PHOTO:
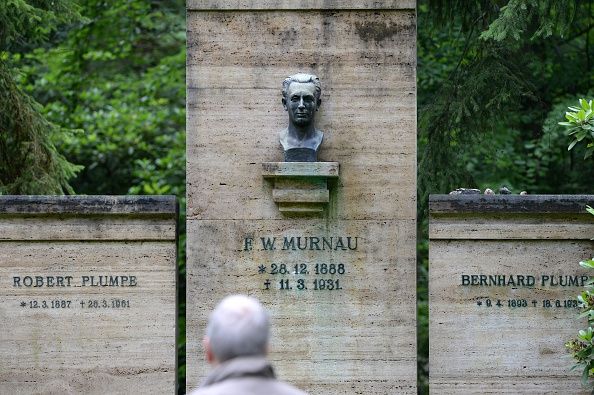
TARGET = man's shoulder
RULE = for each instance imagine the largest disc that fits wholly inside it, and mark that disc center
(289, 389)
(249, 386)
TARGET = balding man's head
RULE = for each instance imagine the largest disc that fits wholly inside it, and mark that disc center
(238, 326)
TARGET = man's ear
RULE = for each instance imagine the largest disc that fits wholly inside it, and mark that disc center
(319, 103)
(284, 101)
(210, 358)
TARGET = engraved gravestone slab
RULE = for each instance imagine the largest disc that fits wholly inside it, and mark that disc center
(503, 280)
(87, 294)
(339, 280)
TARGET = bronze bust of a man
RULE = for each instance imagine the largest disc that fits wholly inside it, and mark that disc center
(301, 99)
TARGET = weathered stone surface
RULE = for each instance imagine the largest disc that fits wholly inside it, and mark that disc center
(300, 195)
(85, 228)
(62, 334)
(128, 205)
(489, 226)
(506, 205)
(300, 169)
(300, 187)
(478, 345)
(236, 63)
(299, 4)
(333, 340)
(359, 338)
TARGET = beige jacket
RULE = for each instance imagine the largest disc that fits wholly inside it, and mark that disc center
(245, 376)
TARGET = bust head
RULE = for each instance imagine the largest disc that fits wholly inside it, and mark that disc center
(301, 98)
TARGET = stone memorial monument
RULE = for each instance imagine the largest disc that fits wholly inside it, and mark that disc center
(322, 234)
(88, 295)
(503, 280)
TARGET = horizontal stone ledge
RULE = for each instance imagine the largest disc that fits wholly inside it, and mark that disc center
(88, 205)
(300, 169)
(512, 204)
(301, 196)
(82, 227)
(299, 5)
(510, 230)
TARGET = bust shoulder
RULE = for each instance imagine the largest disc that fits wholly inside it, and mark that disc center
(288, 141)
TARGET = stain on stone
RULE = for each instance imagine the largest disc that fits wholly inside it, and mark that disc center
(377, 31)
(289, 36)
(546, 351)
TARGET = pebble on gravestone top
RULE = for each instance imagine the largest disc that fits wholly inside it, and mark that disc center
(504, 190)
(465, 191)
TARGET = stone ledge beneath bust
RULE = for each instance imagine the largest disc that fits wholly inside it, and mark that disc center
(300, 187)
(300, 169)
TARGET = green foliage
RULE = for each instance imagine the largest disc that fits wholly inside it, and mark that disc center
(422, 315)
(582, 346)
(28, 23)
(29, 160)
(534, 163)
(121, 78)
(488, 74)
(580, 121)
(461, 109)
(519, 16)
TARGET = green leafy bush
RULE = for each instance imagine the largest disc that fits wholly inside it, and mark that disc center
(580, 121)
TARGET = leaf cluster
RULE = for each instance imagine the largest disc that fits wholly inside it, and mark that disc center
(541, 18)
(29, 161)
(580, 123)
(25, 24)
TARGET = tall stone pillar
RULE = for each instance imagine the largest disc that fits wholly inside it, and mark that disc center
(336, 266)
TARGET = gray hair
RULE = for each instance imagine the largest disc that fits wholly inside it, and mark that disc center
(238, 326)
(304, 79)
